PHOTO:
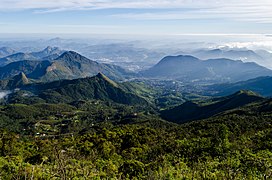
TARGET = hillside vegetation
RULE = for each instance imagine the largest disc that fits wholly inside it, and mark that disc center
(233, 145)
(99, 128)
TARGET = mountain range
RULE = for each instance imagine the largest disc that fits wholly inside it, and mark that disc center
(261, 85)
(6, 51)
(52, 63)
(189, 68)
(262, 57)
(239, 54)
(69, 65)
(17, 57)
(49, 53)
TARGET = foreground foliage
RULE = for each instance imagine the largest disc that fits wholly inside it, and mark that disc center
(234, 145)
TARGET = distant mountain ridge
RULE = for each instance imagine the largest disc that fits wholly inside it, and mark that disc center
(189, 68)
(261, 85)
(6, 51)
(17, 57)
(48, 51)
(261, 57)
(235, 54)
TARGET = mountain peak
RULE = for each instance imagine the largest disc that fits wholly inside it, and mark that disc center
(105, 78)
(48, 52)
(172, 66)
(182, 57)
(17, 81)
(90, 88)
(179, 58)
(22, 77)
(70, 53)
(49, 49)
(72, 56)
(246, 92)
(101, 75)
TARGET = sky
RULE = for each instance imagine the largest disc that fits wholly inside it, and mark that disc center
(143, 17)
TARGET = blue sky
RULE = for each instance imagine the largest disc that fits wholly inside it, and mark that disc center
(144, 17)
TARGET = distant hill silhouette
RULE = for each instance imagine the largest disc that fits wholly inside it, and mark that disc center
(189, 68)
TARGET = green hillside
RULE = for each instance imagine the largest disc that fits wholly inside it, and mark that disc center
(69, 65)
(192, 111)
(93, 140)
(66, 91)
(14, 82)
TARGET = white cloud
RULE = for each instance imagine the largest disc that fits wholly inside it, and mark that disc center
(105, 4)
(246, 10)
(250, 11)
(95, 4)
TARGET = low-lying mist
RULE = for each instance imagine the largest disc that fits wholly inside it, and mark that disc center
(4, 94)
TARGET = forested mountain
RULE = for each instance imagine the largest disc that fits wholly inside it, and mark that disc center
(261, 85)
(69, 65)
(64, 116)
(192, 111)
(17, 81)
(189, 68)
(93, 139)
(32, 69)
(98, 87)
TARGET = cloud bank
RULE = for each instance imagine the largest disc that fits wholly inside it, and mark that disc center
(246, 10)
